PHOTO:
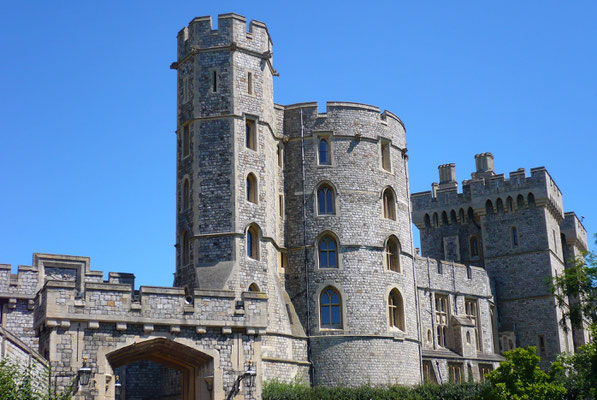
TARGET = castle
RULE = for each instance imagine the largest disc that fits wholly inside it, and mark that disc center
(295, 256)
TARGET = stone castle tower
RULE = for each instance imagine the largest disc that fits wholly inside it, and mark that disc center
(517, 230)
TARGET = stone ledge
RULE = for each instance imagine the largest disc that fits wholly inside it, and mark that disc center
(285, 361)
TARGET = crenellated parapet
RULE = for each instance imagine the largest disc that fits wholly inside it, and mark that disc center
(574, 231)
(61, 303)
(200, 36)
(361, 121)
(487, 191)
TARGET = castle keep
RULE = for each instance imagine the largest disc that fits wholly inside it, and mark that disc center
(295, 256)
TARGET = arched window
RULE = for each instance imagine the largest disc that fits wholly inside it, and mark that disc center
(324, 152)
(185, 195)
(328, 252)
(445, 218)
(427, 221)
(253, 243)
(325, 200)
(254, 288)
(330, 308)
(474, 247)
(514, 237)
(509, 204)
(185, 248)
(435, 220)
(453, 219)
(489, 207)
(250, 135)
(520, 202)
(251, 188)
(531, 200)
(500, 205)
(393, 254)
(389, 204)
(471, 215)
(461, 216)
(396, 310)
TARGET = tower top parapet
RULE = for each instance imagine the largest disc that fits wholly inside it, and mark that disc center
(487, 185)
(231, 33)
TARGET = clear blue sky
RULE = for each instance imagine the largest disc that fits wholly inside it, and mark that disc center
(88, 106)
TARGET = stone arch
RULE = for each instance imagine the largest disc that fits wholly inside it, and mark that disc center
(499, 205)
(531, 200)
(520, 202)
(253, 235)
(435, 220)
(197, 368)
(427, 221)
(389, 198)
(489, 207)
(453, 218)
(445, 220)
(461, 216)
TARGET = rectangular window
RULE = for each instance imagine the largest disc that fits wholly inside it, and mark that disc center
(186, 89)
(250, 135)
(186, 141)
(250, 83)
(455, 372)
(541, 339)
(280, 156)
(281, 205)
(214, 81)
(484, 369)
(385, 156)
(471, 310)
(441, 319)
(428, 374)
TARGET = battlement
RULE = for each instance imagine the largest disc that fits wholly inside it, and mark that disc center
(347, 118)
(453, 277)
(574, 231)
(23, 284)
(231, 31)
(485, 186)
(59, 303)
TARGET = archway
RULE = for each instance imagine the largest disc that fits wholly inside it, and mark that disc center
(178, 371)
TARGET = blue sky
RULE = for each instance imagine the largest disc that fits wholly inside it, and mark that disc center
(87, 145)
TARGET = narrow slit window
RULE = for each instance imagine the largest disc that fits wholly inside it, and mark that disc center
(186, 141)
(385, 156)
(514, 237)
(214, 81)
(281, 205)
(249, 83)
(251, 188)
(389, 205)
(250, 135)
(324, 152)
(253, 243)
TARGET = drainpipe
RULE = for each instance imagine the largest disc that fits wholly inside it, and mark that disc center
(412, 252)
(306, 255)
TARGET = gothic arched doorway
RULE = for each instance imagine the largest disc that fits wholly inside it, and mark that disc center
(160, 368)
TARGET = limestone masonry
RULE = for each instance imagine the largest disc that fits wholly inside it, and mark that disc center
(295, 257)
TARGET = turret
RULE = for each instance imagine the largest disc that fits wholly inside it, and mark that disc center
(484, 164)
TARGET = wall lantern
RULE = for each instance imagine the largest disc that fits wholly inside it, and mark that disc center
(117, 387)
(84, 373)
(249, 375)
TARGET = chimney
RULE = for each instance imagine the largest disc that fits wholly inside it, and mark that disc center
(484, 165)
(447, 176)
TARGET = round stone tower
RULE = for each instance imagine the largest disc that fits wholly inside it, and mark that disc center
(350, 267)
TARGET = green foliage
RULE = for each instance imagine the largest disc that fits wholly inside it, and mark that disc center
(296, 391)
(18, 384)
(520, 378)
(580, 372)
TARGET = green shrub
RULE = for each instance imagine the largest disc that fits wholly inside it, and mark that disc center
(297, 391)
